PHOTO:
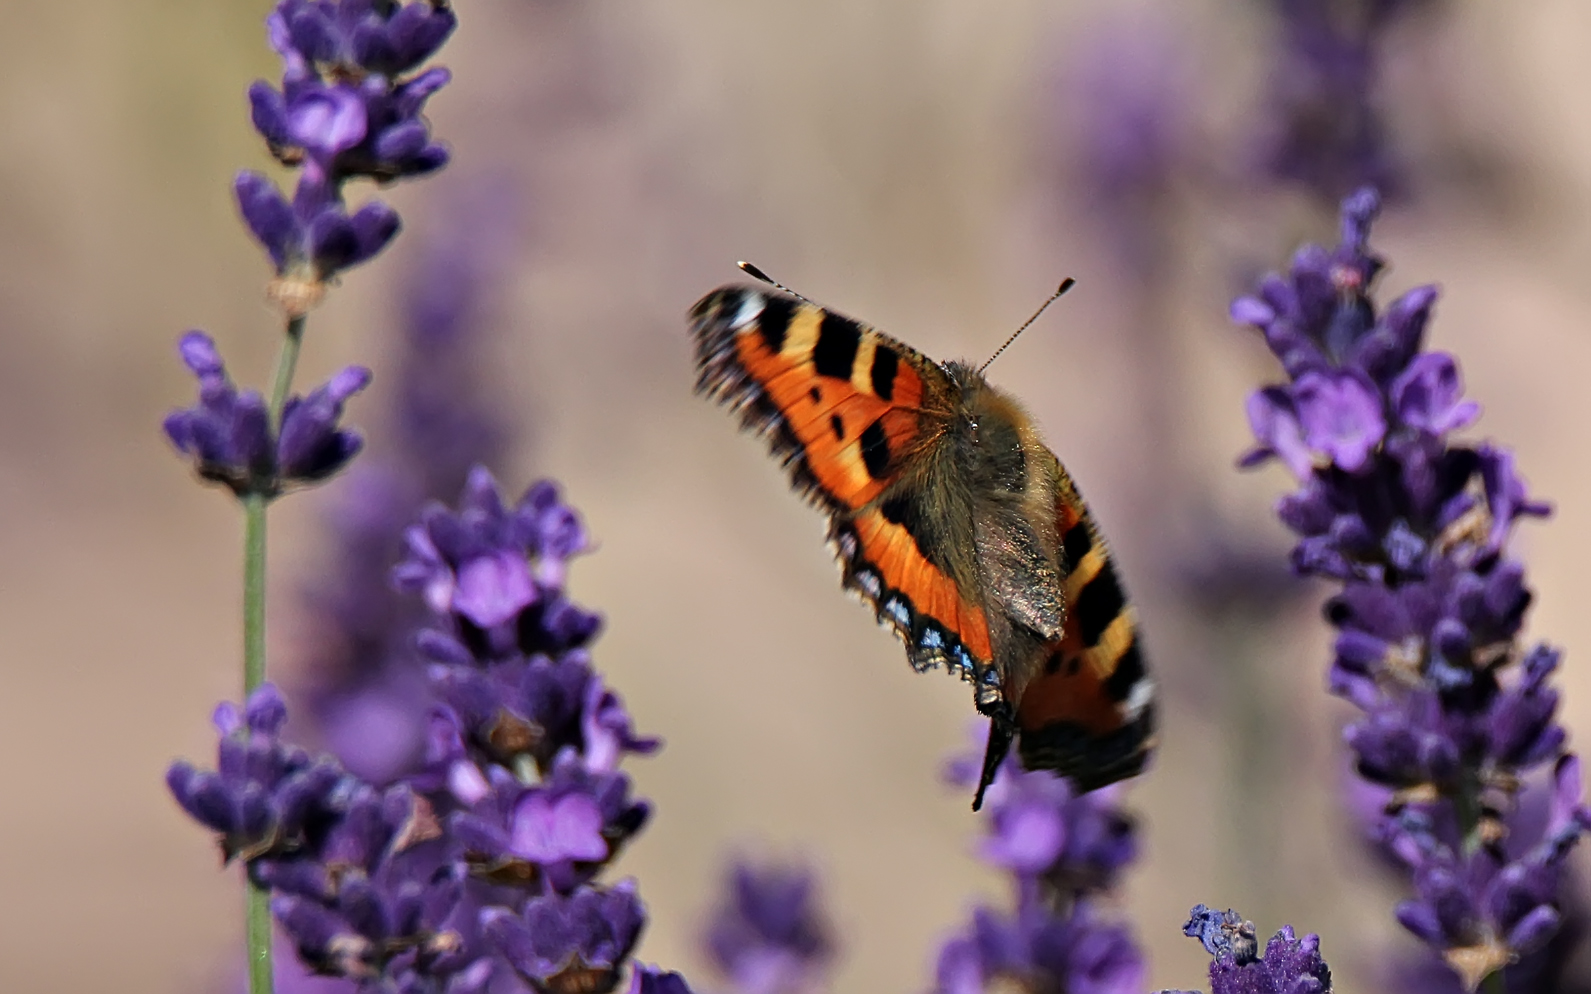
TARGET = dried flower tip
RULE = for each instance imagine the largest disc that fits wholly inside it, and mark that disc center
(1474, 964)
(295, 296)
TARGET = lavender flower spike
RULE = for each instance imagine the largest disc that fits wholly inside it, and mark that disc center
(264, 797)
(347, 107)
(1062, 852)
(1414, 524)
(1289, 965)
(229, 437)
(483, 862)
(768, 935)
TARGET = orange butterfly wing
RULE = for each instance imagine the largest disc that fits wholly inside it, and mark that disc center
(843, 405)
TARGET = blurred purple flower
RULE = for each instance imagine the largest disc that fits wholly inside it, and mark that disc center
(769, 934)
(1062, 851)
(1128, 97)
(1043, 953)
(650, 980)
(1324, 128)
(366, 693)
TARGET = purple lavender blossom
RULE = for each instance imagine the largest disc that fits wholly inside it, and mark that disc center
(569, 944)
(768, 934)
(228, 435)
(347, 107)
(497, 573)
(1289, 965)
(558, 834)
(485, 862)
(1062, 851)
(1414, 525)
(264, 797)
(650, 980)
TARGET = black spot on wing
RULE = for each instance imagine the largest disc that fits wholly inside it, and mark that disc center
(722, 376)
(885, 362)
(1098, 603)
(775, 321)
(837, 425)
(875, 450)
(835, 351)
(1077, 543)
(905, 511)
(1129, 670)
(816, 395)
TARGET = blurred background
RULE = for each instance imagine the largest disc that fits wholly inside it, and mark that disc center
(930, 167)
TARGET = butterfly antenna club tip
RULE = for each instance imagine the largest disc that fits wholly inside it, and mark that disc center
(1066, 285)
(755, 272)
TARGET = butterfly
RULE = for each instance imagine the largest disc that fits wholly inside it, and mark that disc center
(950, 518)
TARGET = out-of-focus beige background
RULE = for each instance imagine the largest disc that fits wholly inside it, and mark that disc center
(905, 161)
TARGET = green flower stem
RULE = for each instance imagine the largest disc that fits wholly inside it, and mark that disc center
(253, 593)
(257, 916)
(1494, 983)
(257, 929)
(285, 364)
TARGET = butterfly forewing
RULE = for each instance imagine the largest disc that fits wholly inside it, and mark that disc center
(839, 401)
(849, 410)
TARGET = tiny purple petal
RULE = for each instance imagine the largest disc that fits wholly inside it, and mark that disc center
(493, 588)
(269, 217)
(1428, 395)
(1534, 929)
(1341, 416)
(1276, 426)
(548, 831)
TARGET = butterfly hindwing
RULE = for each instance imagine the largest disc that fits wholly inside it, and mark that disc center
(1088, 711)
(887, 556)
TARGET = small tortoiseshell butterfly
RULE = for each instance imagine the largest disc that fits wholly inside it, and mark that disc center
(951, 518)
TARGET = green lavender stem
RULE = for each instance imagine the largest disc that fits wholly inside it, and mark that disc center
(257, 916)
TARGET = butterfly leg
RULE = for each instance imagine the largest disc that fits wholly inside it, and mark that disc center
(1000, 734)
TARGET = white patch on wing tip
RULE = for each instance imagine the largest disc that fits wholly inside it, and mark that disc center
(896, 609)
(750, 310)
(1138, 698)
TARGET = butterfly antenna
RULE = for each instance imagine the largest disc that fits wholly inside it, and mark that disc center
(1066, 285)
(750, 269)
